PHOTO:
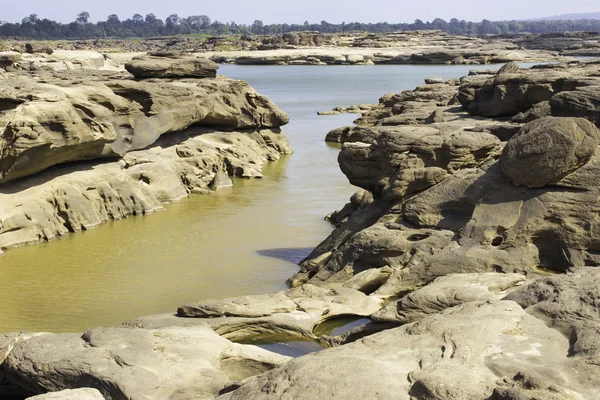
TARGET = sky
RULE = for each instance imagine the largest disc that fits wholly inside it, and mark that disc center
(282, 11)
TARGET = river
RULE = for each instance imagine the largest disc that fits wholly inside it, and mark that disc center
(246, 240)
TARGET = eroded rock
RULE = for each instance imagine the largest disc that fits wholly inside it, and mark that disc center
(548, 149)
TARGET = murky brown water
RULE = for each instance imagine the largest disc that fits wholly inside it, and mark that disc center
(243, 241)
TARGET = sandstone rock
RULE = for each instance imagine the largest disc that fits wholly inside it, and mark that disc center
(509, 68)
(570, 304)
(447, 292)
(548, 149)
(45, 124)
(583, 102)
(161, 67)
(78, 197)
(290, 314)
(538, 111)
(484, 340)
(70, 394)
(183, 363)
(508, 94)
(434, 80)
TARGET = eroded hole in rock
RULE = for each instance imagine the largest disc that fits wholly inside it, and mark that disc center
(137, 96)
(9, 104)
(418, 237)
(283, 347)
(340, 325)
(498, 240)
(498, 269)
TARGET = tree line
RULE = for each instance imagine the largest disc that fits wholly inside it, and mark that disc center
(33, 27)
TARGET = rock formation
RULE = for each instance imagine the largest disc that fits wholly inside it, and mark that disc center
(217, 127)
(472, 245)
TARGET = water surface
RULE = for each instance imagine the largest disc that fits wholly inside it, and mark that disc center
(241, 241)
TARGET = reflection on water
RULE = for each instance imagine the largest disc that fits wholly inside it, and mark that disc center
(240, 241)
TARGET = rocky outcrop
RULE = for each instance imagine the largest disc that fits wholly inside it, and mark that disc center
(286, 316)
(162, 67)
(51, 121)
(420, 361)
(446, 202)
(570, 304)
(175, 362)
(446, 292)
(507, 94)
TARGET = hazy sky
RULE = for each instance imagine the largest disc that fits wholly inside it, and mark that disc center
(279, 11)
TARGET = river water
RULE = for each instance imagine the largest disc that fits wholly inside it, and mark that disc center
(246, 240)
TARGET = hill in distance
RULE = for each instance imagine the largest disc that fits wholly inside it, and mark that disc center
(564, 17)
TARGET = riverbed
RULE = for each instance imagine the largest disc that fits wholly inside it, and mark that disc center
(245, 240)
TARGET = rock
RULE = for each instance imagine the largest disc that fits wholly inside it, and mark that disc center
(583, 102)
(548, 149)
(484, 340)
(161, 67)
(447, 292)
(508, 94)
(292, 314)
(71, 198)
(45, 124)
(510, 68)
(538, 111)
(434, 117)
(183, 363)
(569, 303)
(70, 394)
(435, 80)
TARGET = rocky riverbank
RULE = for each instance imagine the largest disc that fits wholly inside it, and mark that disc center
(80, 148)
(312, 48)
(472, 247)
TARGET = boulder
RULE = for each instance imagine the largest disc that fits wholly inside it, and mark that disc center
(509, 68)
(162, 67)
(546, 150)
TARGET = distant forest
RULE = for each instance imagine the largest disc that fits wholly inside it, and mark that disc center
(32, 27)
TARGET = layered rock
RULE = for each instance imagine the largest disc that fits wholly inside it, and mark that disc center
(183, 363)
(71, 198)
(507, 94)
(50, 121)
(421, 361)
(443, 201)
(289, 315)
(162, 67)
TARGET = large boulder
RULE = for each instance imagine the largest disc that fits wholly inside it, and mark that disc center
(162, 67)
(548, 149)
